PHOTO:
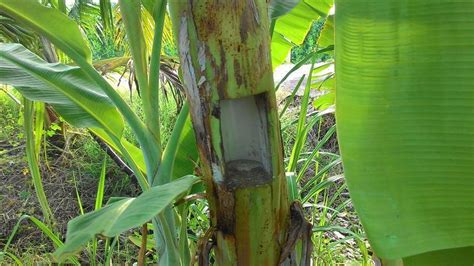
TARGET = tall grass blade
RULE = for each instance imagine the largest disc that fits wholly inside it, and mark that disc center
(293, 191)
(321, 173)
(101, 186)
(78, 196)
(316, 151)
(300, 134)
(12, 256)
(44, 228)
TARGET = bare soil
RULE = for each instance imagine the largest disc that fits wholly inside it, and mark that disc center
(66, 171)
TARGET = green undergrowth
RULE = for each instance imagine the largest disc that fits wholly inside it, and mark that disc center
(72, 163)
(11, 119)
(318, 181)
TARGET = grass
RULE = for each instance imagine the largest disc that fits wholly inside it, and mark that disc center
(11, 119)
(316, 178)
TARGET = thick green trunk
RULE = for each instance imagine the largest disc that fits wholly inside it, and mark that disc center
(225, 57)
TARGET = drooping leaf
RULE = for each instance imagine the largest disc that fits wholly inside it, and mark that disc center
(405, 114)
(279, 8)
(105, 66)
(66, 88)
(11, 31)
(50, 22)
(61, 40)
(122, 215)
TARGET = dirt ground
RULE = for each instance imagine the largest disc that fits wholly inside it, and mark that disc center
(65, 173)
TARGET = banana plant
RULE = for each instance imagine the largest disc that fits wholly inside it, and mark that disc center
(85, 99)
(225, 56)
(405, 117)
(404, 111)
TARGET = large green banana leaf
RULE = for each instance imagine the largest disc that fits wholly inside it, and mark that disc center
(78, 99)
(54, 25)
(73, 95)
(405, 117)
(122, 215)
(65, 35)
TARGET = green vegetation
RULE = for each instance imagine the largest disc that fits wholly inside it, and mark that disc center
(310, 43)
(10, 117)
(115, 122)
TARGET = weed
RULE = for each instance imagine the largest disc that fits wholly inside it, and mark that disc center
(11, 118)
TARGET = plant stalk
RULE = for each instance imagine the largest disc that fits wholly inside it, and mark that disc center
(32, 158)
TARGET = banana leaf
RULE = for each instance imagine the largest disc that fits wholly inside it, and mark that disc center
(121, 215)
(405, 118)
(291, 29)
(54, 25)
(72, 93)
